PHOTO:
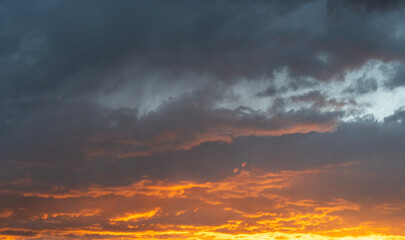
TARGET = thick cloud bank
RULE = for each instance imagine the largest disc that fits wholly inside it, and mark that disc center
(202, 119)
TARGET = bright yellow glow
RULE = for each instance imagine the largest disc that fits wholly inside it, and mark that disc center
(136, 216)
(247, 205)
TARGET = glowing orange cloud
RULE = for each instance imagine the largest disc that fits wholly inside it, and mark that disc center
(175, 140)
(136, 216)
(252, 204)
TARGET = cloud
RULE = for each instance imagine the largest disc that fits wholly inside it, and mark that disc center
(49, 143)
(366, 6)
(363, 86)
(201, 120)
(317, 100)
(327, 182)
(57, 54)
(397, 79)
(250, 202)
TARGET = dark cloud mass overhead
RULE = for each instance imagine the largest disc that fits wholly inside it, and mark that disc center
(202, 119)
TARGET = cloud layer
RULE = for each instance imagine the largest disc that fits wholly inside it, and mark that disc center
(202, 120)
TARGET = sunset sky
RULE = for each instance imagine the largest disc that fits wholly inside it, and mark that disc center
(202, 119)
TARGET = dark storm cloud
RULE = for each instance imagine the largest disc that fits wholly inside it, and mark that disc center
(53, 155)
(397, 118)
(373, 176)
(366, 5)
(65, 48)
(68, 160)
(54, 51)
(78, 143)
(47, 43)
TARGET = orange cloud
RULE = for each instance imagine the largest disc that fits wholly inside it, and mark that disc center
(249, 205)
(136, 216)
(81, 213)
(6, 213)
(221, 130)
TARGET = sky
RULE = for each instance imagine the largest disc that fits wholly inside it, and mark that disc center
(202, 120)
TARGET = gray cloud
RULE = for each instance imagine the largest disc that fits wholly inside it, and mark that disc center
(398, 78)
(57, 48)
(366, 6)
(318, 100)
(372, 176)
(70, 141)
(61, 142)
(363, 86)
(63, 52)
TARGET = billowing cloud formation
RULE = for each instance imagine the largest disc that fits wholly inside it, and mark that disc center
(202, 120)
